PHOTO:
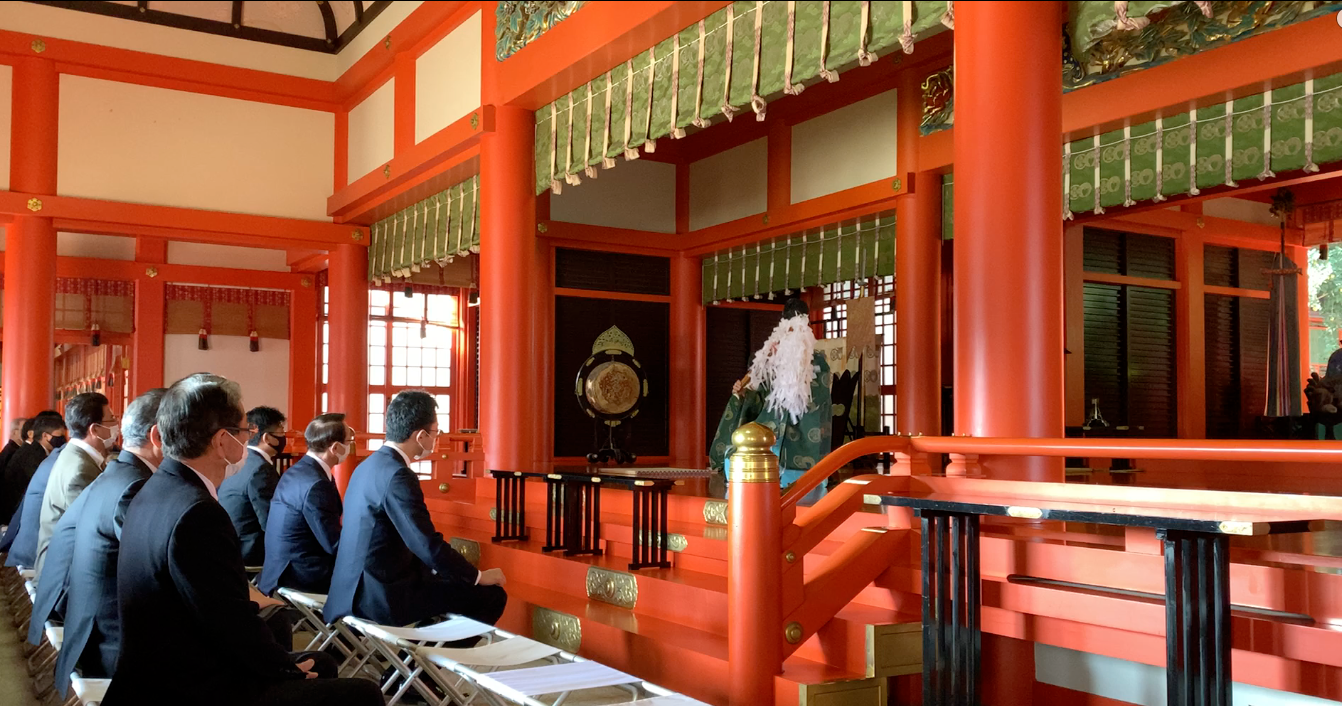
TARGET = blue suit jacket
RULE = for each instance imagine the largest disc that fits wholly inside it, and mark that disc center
(389, 549)
(22, 547)
(189, 629)
(246, 497)
(303, 531)
(49, 604)
(92, 625)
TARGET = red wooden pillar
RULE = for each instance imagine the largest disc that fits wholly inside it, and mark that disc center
(1008, 227)
(347, 385)
(755, 632)
(687, 403)
(303, 354)
(30, 249)
(509, 273)
(918, 308)
(150, 311)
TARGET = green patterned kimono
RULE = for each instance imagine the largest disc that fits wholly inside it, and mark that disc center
(798, 446)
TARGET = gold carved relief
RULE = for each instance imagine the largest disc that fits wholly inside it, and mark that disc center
(556, 629)
(614, 587)
(715, 512)
(468, 549)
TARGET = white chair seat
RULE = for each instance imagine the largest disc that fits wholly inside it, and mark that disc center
(447, 631)
(554, 678)
(672, 700)
(504, 653)
(27, 574)
(89, 691)
(55, 635)
(315, 601)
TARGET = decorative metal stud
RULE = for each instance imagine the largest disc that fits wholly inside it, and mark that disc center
(1202, 222)
(792, 633)
(475, 121)
(306, 282)
(765, 219)
(39, 46)
(790, 557)
(34, 204)
(356, 236)
(386, 171)
(386, 43)
(443, 487)
(897, 184)
(152, 272)
(542, 227)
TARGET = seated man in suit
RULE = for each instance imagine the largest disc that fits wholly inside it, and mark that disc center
(93, 430)
(304, 527)
(246, 494)
(393, 567)
(21, 538)
(49, 434)
(189, 631)
(12, 446)
(82, 557)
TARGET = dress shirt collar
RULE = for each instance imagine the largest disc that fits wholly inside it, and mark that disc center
(264, 455)
(88, 449)
(153, 467)
(320, 462)
(404, 456)
(214, 492)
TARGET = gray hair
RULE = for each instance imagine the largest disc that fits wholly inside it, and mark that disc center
(193, 410)
(141, 416)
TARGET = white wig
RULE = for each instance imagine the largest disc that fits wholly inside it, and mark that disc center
(784, 365)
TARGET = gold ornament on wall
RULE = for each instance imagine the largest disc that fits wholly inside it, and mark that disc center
(356, 236)
(152, 272)
(614, 587)
(34, 205)
(39, 46)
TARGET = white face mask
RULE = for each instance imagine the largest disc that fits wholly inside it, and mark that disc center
(235, 466)
(341, 456)
(113, 432)
(426, 446)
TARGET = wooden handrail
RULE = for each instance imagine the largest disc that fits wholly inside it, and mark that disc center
(1172, 449)
(837, 459)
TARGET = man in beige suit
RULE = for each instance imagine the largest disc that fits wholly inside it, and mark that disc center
(93, 432)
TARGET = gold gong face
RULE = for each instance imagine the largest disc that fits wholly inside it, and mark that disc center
(612, 388)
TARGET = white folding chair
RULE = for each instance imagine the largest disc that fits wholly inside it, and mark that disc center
(353, 647)
(397, 647)
(90, 692)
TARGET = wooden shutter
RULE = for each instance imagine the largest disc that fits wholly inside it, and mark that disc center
(1253, 343)
(1221, 326)
(1105, 348)
(1151, 389)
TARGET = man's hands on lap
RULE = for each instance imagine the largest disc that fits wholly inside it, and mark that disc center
(492, 577)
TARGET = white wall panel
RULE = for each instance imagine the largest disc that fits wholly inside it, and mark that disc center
(848, 147)
(124, 142)
(373, 35)
(372, 131)
(447, 79)
(233, 256)
(6, 96)
(1240, 210)
(729, 185)
(264, 375)
(640, 195)
(100, 247)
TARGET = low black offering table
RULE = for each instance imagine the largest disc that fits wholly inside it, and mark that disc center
(1197, 588)
(573, 508)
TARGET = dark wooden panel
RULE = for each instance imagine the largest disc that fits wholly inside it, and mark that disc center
(579, 321)
(1105, 355)
(1103, 251)
(733, 337)
(1220, 266)
(1222, 341)
(1253, 342)
(612, 272)
(1252, 264)
(1151, 389)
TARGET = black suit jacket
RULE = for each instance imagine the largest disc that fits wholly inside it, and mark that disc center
(21, 538)
(389, 549)
(17, 475)
(8, 494)
(246, 497)
(303, 531)
(92, 625)
(189, 631)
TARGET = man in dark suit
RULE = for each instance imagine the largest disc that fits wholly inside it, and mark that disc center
(393, 567)
(304, 527)
(48, 432)
(82, 557)
(20, 539)
(189, 631)
(16, 433)
(246, 495)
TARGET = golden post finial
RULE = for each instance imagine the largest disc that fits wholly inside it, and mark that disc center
(754, 460)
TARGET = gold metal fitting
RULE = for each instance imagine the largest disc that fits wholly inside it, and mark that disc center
(443, 487)
(151, 271)
(306, 282)
(356, 235)
(754, 460)
(39, 46)
(790, 557)
(386, 171)
(542, 227)
(475, 121)
(897, 184)
(792, 633)
(34, 205)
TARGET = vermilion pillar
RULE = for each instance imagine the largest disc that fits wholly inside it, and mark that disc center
(1008, 227)
(754, 569)
(687, 403)
(30, 247)
(509, 398)
(918, 308)
(347, 386)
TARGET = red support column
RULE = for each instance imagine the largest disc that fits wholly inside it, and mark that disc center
(150, 310)
(303, 355)
(1008, 227)
(687, 404)
(918, 308)
(347, 385)
(30, 283)
(754, 569)
(508, 277)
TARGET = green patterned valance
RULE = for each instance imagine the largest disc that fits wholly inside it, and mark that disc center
(437, 229)
(851, 250)
(1293, 128)
(734, 60)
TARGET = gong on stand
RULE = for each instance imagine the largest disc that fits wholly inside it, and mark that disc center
(610, 386)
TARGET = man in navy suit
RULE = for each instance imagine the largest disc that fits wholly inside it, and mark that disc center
(304, 528)
(246, 495)
(36, 446)
(393, 567)
(189, 630)
(82, 557)
(33, 464)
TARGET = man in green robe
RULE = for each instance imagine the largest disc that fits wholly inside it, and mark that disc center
(786, 391)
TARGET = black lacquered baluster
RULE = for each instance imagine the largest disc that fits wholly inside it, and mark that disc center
(1220, 622)
(974, 605)
(944, 606)
(637, 528)
(957, 599)
(664, 556)
(1171, 621)
(929, 622)
(1205, 648)
(499, 508)
(1187, 631)
(521, 508)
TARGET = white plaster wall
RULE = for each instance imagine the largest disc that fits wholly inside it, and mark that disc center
(6, 97)
(232, 256)
(124, 142)
(729, 185)
(264, 375)
(41, 20)
(640, 195)
(447, 79)
(1138, 683)
(372, 36)
(1239, 210)
(101, 247)
(371, 131)
(848, 147)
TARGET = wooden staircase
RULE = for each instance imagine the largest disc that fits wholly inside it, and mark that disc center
(670, 625)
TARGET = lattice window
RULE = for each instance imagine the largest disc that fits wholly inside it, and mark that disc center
(834, 316)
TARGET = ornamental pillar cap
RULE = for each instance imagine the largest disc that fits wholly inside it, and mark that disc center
(754, 460)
